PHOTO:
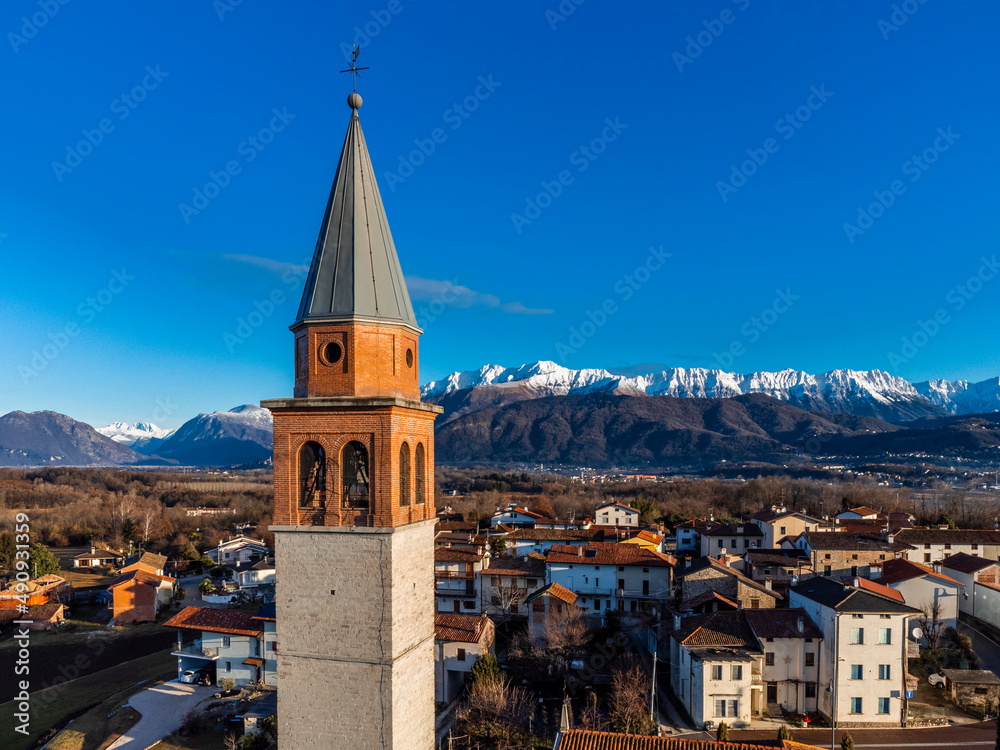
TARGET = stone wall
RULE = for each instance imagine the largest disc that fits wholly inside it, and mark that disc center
(355, 634)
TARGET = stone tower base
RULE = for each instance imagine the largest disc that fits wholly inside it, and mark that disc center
(355, 635)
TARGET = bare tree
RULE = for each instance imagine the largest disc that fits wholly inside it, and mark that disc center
(147, 520)
(566, 630)
(496, 709)
(507, 596)
(591, 716)
(629, 699)
(930, 623)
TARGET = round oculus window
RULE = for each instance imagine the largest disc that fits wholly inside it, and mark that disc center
(409, 358)
(331, 353)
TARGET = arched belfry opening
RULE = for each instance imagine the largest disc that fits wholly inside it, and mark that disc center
(312, 475)
(421, 472)
(356, 482)
(404, 475)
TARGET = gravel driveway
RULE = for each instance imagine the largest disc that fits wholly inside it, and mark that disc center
(162, 708)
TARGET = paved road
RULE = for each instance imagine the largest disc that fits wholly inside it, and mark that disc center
(162, 708)
(982, 735)
(985, 649)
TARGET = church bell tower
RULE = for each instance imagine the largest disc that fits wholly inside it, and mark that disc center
(354, 491)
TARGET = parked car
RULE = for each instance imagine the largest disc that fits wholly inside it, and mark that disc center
(188, 676)
(197, 677)
(936, 679)
(709, 726)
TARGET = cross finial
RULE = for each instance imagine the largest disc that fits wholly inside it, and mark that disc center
(354, 69)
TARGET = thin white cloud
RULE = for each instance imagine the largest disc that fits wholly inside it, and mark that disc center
(452, 294)
(269, 264)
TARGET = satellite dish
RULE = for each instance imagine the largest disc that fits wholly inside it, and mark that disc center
(917, 634)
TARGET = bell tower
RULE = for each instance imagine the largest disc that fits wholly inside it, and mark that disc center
(354, 490)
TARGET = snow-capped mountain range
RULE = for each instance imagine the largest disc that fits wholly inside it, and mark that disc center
(143, 437)
(861, 392)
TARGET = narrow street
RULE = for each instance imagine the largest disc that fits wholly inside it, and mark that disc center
(986, 649)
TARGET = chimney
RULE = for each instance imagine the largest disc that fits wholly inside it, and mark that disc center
(795, 580)
(767, 583)
(802, 624)
(937, 567)
(677, 622)
(856, 582)
(579, 551)
(722, 557)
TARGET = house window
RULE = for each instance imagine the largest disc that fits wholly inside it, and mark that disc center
(716, 671)
(229, 666)
(781, 530)
(272, 646)
(975, 546)
(947, 546)
(927, 557)
(854, 570)
(854, 557)
(982, 691)
(256, 647)
(645, 570)
(736, 672)
(621, 568)
(856, 671)
(472, 605)
(857, 617)
(597, 567)
(884, 671)
(810, 690)
(883, 705)
(421, 472)
(597, 604)
(720, 544)
(926, 546)
(857, 636)
(734, 544)
(720, 708)
(769, 659)
(312, 476)
(826, 556)
(810, 659)
(755, 604)
(404, 474)
(355, 479)
(532, 582)
(884, 617)
(734, 708)
(227, 641)
(461, 654)
(645, 588)
(855, 705)
(826, 570)
(885, 636)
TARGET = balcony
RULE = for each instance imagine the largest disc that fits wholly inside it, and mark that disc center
(756, 678)
(197, 650)
(453, 574)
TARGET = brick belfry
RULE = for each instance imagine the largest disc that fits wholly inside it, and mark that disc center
(354, 491)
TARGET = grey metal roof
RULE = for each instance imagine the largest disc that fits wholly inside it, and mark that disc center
(355, 274)
(841, 598)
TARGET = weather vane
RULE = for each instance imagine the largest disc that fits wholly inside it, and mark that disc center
(354, 67)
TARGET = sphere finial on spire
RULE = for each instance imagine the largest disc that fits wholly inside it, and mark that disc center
(354, 100)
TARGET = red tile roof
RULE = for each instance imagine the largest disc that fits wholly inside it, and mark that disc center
(965, 563)
(894, 571)
(460, 628)
(555, 590)
(707, 596)
(234, 621)
(586, 739)
(607, 553)
(142, 576)
(878, 588)
(446, 554)
(253, 661)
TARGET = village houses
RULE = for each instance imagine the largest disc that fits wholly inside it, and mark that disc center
(228, 643)
(458, 641)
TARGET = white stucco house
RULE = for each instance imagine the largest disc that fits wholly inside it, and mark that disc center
(616, 514)
(923, 587)
(239, 549)
(230, 643)
(969, 570)
(458, 641)
(864, 651)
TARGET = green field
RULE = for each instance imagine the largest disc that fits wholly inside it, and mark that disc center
(54, 706)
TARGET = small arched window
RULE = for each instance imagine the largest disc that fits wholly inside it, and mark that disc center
(421, 473)
(355, 482)
(312, 475)
(404, 474)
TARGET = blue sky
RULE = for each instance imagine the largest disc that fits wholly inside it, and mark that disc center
(736, 139)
